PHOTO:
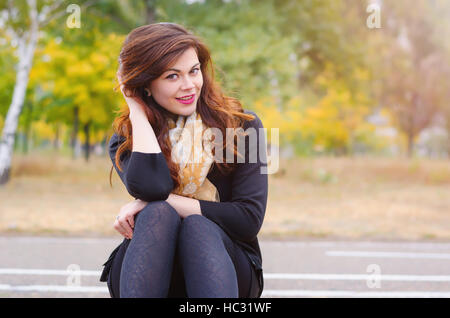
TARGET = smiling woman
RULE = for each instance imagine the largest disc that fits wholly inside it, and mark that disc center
(192, 230)
(155, 69)
(178, 92)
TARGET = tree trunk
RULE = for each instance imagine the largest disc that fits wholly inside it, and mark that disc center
(11, 122)
(56, 140)
(448, 136)
(448, 144)
(26, 135)
(75, 132)
(86, 144)
(25, 52)
(410, 144)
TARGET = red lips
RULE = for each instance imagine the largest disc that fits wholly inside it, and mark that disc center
(186, 96)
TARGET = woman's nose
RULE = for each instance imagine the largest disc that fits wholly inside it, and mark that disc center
(187, 83)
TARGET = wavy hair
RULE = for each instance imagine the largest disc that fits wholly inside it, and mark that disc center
(146, 53)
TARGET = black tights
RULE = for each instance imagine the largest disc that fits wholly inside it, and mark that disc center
(173, 257)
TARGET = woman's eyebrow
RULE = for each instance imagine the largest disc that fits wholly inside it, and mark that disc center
(175, 70)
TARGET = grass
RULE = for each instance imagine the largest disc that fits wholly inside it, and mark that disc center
(351, 198)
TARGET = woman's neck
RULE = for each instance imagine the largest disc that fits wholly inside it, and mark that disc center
(172, 115)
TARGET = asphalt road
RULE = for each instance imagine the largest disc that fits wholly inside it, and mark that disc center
(70, 267)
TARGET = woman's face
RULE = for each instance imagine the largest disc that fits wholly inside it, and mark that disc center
(183, 79)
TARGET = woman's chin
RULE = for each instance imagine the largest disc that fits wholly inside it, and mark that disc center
(186, 111)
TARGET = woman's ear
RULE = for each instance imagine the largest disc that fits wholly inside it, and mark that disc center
(148, 92)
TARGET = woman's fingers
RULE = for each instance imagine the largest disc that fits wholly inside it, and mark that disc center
(123, 228)
(124, 223)
(119, 228)
(130, 219)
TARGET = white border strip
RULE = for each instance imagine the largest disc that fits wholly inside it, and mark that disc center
(406, 278)
(55, 288)
(266, 293)
(55, 272)
(280, 276)
(388, 254)
(353, 294)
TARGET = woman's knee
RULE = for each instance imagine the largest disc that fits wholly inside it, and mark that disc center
(197, 226)
(158, 212)
(194, 221)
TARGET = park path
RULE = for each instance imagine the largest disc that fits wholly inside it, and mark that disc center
(70, 267)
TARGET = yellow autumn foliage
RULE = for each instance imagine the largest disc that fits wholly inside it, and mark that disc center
(43, 129)
(332, 121)
(82, 76)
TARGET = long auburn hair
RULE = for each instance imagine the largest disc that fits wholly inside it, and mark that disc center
(146, 53)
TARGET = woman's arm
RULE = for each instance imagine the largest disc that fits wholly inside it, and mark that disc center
(144, 138)
(242, 216)
(144, 173)
(183, 205)
(146, 176)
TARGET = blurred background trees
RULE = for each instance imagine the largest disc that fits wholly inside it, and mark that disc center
(313, 69)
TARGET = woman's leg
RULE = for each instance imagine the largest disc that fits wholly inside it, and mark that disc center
(147, 264)
(213, 265)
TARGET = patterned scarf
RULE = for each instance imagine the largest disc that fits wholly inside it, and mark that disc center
(192, 151)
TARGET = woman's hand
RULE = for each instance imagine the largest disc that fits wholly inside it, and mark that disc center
(135, 104)
(183, 205)
(124, 223)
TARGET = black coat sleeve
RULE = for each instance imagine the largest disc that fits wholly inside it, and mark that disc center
(146, 176)
(243, 215)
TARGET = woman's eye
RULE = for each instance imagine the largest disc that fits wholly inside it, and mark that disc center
(172, 76)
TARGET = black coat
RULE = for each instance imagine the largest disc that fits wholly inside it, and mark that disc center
(243, 193)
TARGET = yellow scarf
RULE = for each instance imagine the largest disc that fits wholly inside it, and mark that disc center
(192, 151)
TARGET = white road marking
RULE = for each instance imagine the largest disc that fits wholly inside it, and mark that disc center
(266, 293)
(55, 272)
(412, 278)
(360, 244)
(388, 254)
(348, 293)
(114, 240)
(283, 276)
(55, 288)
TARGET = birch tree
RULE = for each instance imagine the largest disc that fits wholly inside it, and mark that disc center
(22, 22)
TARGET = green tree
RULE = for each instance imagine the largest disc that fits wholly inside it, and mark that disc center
(22, 23)
(412, 69)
